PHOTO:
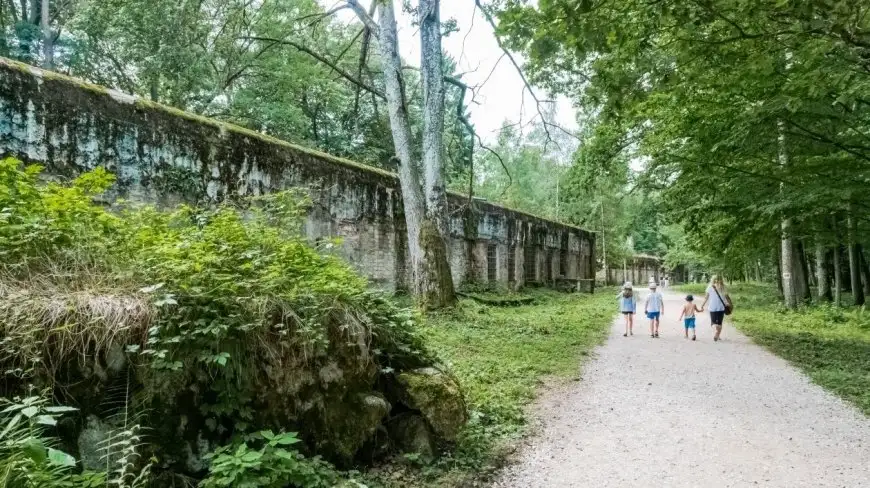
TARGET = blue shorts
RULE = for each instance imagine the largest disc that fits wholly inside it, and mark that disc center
(689, 322)
(653, 315)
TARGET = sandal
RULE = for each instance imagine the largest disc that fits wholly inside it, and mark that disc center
(657, 335)
(624, 335)
(693, 338)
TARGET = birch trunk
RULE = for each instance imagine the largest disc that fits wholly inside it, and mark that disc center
(789, 290)
(426, 227)
(824, 281)
(47, 40)
(436, 283)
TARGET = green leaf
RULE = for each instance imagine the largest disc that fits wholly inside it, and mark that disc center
(60, 458)
(46, 420)
(29, 411)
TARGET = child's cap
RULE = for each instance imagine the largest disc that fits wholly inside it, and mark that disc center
(690, 298)
(627, 285)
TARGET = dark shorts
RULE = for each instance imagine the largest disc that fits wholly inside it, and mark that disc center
(627, 313)
(717, 317)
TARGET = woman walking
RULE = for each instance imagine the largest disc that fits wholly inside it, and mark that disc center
(628, 307)
(720, 302)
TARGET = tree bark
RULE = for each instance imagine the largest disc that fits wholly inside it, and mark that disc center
(787, 248)
(822, 277)
(431, 278)
(865, 270)
(47, 37)
(838, 277)
(802, 273)
(854, 262)
(437, 284)
(777, 259)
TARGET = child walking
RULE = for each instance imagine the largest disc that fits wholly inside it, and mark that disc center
(628, 307)
(688, 315)
(654, 309)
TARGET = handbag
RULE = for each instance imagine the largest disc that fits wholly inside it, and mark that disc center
(728, 306)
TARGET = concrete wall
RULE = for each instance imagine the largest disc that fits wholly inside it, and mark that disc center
(166, 156)
(637, 269)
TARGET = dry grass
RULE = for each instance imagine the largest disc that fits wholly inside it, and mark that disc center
(48, 322)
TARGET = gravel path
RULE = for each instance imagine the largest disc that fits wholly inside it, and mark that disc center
(674, 413)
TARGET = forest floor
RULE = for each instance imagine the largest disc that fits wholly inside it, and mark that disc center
(503, 356)
(675, 412)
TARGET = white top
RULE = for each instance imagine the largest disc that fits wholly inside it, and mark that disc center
(654, 302)
(714, 302)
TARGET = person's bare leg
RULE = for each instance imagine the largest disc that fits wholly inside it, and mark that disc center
(718, 332)
(657, 321)
(630, 324)
(652, 330)
(625, 319)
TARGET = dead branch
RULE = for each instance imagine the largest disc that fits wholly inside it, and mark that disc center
(319, 57)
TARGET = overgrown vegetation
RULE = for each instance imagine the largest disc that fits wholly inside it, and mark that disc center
(831, 344)
(502, 356)
(215, 323)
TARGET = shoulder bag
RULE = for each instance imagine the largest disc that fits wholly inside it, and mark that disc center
(728, 306)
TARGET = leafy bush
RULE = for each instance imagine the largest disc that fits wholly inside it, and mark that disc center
(28, 457)
(267, 460)
(220, 312)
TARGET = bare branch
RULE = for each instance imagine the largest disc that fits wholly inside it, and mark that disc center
(528, 86)
(365, 17)
(344, 74)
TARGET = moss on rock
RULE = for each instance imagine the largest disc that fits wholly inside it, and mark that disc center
(438, 397)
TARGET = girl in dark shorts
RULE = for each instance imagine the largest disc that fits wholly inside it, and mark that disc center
(628, 307)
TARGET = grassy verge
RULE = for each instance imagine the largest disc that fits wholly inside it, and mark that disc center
(502, 355)
(831, 345)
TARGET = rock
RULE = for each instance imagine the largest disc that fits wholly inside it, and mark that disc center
(377, 447)
(438, 397)
(91, 439)
(411, 433)
(346, 426)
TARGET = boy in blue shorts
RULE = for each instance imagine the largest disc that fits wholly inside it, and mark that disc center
(688, 315)
(654, 308)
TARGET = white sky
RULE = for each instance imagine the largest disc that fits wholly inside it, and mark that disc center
(477, 53)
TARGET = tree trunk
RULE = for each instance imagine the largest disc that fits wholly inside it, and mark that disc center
(436, 283)
(822, 264)
(865, 270)
(777, 259)
(432, 282)
(855, 262)
(838, 277)
(802, 273)
(47, 37)
(787, 248)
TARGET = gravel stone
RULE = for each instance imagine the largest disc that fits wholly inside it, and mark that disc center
(671, 412)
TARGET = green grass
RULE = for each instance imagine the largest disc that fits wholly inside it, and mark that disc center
(831, 345)
(502, 355)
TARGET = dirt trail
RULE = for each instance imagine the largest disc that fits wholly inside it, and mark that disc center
(675, 413)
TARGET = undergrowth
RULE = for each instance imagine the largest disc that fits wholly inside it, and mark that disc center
(221, 312)
(830, 344)
(502, 356)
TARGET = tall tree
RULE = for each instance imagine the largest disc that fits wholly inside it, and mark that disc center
(424, 196)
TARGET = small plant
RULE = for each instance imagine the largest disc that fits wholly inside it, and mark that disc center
(28, 458)
(267, 460)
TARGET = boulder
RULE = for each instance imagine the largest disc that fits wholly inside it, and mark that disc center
(438, 397)
(344, 427)
(411, 433)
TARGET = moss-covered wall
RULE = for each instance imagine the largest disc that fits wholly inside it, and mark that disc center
(166, 156)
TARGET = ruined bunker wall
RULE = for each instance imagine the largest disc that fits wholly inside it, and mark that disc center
(166, 156)
(638, 269)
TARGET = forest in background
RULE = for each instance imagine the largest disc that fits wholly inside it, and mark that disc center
(290, 69)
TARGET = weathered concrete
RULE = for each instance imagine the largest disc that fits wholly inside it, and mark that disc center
(638, 269)
(167, 156)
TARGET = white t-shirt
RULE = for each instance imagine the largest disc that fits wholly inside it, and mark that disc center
(714, 303)
(654, 302)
